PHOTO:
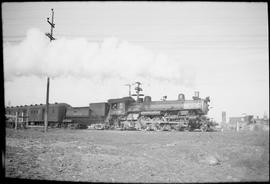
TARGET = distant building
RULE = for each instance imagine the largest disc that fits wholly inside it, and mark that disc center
(223, 117)
(241, 123)
(265, 116)
(262, 123)
(248, 123)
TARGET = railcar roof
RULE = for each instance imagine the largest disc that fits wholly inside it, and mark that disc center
(85, 107)
(37, 105)
(96, 103)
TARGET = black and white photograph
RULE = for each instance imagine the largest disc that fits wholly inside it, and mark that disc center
(136, 91)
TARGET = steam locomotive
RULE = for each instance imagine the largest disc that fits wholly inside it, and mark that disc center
(123, 113)
(180, 114)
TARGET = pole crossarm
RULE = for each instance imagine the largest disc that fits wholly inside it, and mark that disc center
(50, 35)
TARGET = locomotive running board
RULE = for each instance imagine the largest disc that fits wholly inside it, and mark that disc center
(158, 122)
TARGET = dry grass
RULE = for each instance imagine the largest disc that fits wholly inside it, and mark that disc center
(134, 156)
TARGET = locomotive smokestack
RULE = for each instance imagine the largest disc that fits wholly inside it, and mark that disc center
(147, 99)
(181, 97)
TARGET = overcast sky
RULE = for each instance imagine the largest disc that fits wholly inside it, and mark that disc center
(219, 49)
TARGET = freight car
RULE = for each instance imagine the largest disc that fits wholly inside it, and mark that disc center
(60, 115)
(11, 112)
(34, 114)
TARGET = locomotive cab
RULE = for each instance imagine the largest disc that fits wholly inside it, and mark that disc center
(119, 106)
(118, 110)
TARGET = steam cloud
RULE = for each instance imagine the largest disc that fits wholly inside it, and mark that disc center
(112, 58)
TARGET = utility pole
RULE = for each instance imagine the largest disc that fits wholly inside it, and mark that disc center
(16, 120)
(50, 35)
(47, 106)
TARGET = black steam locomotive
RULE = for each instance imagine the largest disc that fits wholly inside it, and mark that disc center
(180, 114)
(123, 113)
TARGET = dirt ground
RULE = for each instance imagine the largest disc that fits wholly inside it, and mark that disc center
(137, 156)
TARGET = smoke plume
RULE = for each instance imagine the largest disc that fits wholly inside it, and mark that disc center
(113, 58)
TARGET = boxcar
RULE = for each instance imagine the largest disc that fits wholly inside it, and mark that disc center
(11, 113)
(56, 112)
(36, 113)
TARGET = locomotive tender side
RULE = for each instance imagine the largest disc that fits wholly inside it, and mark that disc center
(76, 117)
(98, 112)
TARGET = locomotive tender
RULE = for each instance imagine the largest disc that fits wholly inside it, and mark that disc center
(124, 113)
